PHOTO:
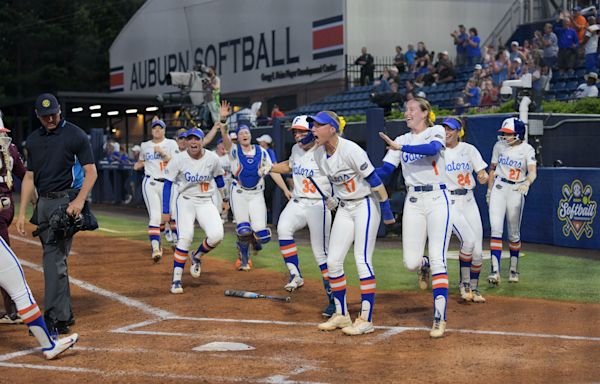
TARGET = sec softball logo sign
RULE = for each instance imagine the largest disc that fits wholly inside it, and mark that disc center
(577, 210)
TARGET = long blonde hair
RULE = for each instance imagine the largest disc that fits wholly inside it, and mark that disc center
(426, 107)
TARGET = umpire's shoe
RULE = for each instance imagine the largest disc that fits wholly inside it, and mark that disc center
(336, 321)
(295, 283)
(60, 346)
(360, 327)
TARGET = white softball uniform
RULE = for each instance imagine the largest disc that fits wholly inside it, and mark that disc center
(358, 216)
(152, 185)
(307, 207)
(227, 176)
(461, 162)
(511, 170)
(196, 188)
(426, 213)
(243, 195)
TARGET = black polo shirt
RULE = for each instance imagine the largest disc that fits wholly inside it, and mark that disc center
(56, 157)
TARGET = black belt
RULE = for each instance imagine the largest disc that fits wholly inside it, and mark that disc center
(246, 189)
(460, 192)
(155, 179)
(428, 188)
(507, 181)
(54, 195)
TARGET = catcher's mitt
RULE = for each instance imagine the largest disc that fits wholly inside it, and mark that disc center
(63, 225)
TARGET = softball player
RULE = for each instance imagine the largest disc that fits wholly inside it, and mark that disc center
(426, 213)
(195, 171)
(224, 159)
(512, 171)
(154, 156)
(356, 185)
(12, 279)
(462, 159)
(171, 232)
(307, 207)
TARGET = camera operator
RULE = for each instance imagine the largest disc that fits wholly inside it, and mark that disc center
(212, 88)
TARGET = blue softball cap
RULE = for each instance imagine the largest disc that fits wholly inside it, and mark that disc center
(159, 122)
(324, 118)
(242, 126)
(195, 132)
(452, 123)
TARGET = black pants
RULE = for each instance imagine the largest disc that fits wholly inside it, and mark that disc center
(57, 294)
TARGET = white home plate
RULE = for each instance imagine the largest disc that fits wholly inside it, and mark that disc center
(223, 346)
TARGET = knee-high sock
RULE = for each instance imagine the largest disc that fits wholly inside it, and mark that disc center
(204, 247)
(465, 257)
(515, 249)
(475, 270)
(496, 250)
(173, 225)
(439, 283)
(367, 294)
(338, 287)
(179, 258)
(289, 251)
(154, 235)
(326, 285)
(35, 321)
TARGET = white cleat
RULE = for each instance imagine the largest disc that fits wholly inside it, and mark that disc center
(494, 278)
(513, 277)
(195, 267)
(176, 287)
(360, 327)
(295, 283)
(477, 298)
(438, 329)
(60, 346)
(157, 254)
(465, 292)
(336, 321)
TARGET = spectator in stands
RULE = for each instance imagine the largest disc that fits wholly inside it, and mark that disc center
(579, 23)
(515, 70)
(460, 41)
(540, 82)
(489, 54)
(567, 43)
(213, 95)
(422, 55)
(473, 51)
(445, 72)
(276, 113)
(400, 60)
(261, 119)
(472, 93)
(382, 84)
(516, 52)
(549, 46)
(590, 45)
(394, 75)
(459, 106)
(588, 89)
(265, 141)
(410, 57)
(478, 73)
(367, 66)
(500, 68)
(489, 94)
(420, 71)
(386, 100)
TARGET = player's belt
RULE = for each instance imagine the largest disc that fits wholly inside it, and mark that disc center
(161, 180)
(428, 188)
(459, 192)
(55, 195)
(508, 181)
(237, 184)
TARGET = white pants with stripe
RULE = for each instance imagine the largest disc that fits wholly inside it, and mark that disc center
(355, 222)
(426, 218)
(300, 212)
(241, 200)
(201, 209)
(152, 191)
(12, 278)
(467, 222)
(506, 201)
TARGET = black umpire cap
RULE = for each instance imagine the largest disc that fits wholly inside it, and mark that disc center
(46, 104)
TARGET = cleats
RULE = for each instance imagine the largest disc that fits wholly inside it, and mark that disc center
(60, 346)
(513, 277)
(477, 298)
(336, 321)
(465, 292)
(360, 327)
(438, 329)
(195, 267)
(176, 287)
(157, 254)
(494, 278)
(295, 283)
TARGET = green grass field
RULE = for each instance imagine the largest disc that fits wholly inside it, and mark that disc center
(542, 275)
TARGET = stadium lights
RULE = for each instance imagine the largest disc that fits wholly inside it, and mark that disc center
(77, 109)
(97, 114)
(151, 109)
(94, 107)
(131, 110)
(112, 113)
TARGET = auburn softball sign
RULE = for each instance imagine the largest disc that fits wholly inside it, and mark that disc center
(577, 210)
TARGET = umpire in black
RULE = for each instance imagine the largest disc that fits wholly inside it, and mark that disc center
(60, 165)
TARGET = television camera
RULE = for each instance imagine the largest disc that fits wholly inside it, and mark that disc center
(194, 83)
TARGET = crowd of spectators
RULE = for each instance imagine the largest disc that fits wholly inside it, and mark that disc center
(562, 46)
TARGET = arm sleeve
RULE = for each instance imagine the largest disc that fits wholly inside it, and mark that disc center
(166, 196)
(373, 180)
(428, 149)
(219, 181)
(385, 171)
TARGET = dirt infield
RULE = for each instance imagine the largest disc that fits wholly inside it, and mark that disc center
(134, 331)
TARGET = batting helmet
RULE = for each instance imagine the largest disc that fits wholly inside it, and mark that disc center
(300, 123)
(514, 126)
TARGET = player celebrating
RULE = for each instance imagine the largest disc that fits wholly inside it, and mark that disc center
(356, 184)
(461, 160)
(154, 156)
(307, 207)
(195, 170)
(251, 163)
(171, 233)
(426, 213)
(512, 171)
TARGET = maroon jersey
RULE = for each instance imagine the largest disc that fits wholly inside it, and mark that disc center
(17, 167)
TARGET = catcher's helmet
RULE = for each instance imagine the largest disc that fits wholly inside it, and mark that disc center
(514, 126)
